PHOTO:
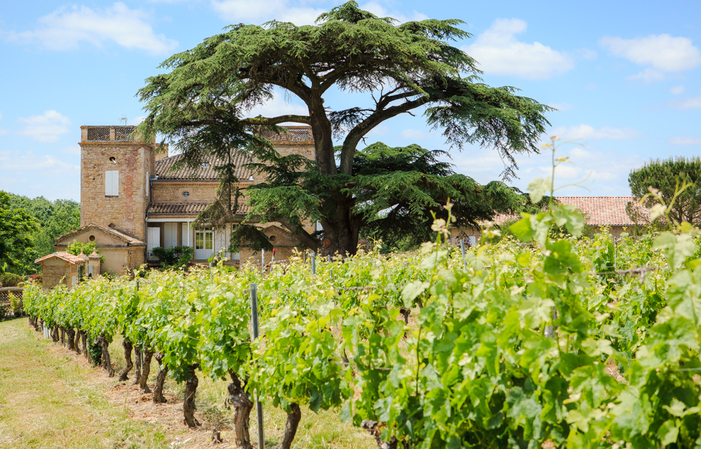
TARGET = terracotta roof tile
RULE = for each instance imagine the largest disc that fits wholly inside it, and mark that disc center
(603, 210)
(70, 258)
(184, 208)
(123, 236)
(598, 210)
(166, 169)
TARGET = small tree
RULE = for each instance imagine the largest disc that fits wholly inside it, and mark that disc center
(667, 176)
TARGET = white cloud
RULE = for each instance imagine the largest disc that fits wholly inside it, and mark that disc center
(685, 140)
(414, 134)
(561, 106)
(499, 53)
(677, 90)
(664, 53)
(16, 161)
(686, 103)
(649, 76)
(73, 150)
(3, 131)
(67, 28)
(380, 11)
(587, 54)
(587, 132)
(246, 11)
(278, 106)
(137, 120)
(45, 128)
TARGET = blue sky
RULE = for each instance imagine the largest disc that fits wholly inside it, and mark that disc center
(625, 76)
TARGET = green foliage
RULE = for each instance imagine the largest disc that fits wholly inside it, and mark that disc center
(667, 176)
(246, 235)
(95, 351)
(88, 248)
(207, 93)
(10, 280)
(175, 256)
(55, 219)
(16, 243)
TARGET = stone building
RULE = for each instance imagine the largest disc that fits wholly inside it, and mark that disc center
(135, 198)
(62, 267)
(599, 212)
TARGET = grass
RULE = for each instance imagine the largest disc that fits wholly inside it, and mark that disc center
(49, 398)
(48, 401)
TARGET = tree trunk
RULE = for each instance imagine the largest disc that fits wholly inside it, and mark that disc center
(63, 335)
(189, 402)
(242, 411)
(84, 344)
(76, 343)
(71, 339)
(126, 344)
(293, 418)
(373, 428)
(341, 230)
(54, 334)
(160, 380)
(137, 364)
(106, 362)
(145, 369)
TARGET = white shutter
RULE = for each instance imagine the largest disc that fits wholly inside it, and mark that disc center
(153, 239)
(170, 237)
(112, 183)
(187, 239)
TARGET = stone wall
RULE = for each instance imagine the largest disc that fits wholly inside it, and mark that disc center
(172, 191)
(127, 210)
(56, 271)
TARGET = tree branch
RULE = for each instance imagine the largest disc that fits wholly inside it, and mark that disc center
(267, 121)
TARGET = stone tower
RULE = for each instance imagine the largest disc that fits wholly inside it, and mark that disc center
(116, 167)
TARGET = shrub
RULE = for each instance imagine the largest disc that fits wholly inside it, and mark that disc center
(175, 256)
(10, 280)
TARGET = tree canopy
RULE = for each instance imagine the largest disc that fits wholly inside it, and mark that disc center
(401, 68)
(667, 176)
(16, 228)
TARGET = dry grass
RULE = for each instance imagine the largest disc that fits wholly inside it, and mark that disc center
(52, 398)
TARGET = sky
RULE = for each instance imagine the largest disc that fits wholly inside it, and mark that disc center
(624, 76)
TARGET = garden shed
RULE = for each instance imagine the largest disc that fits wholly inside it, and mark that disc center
(62, 267)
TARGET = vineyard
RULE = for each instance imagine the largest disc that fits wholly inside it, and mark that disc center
(573, 342)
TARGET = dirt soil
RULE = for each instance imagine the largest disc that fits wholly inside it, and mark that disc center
(166, 418)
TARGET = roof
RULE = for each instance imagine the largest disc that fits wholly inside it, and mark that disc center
(184, 208)
(205, 172)
(70, 258)
(166, 168)
(598, 210)
(126, 238)
(604, 210)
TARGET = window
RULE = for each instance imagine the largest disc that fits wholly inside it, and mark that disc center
(112, 183)
(148, 184)
(186, 194)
